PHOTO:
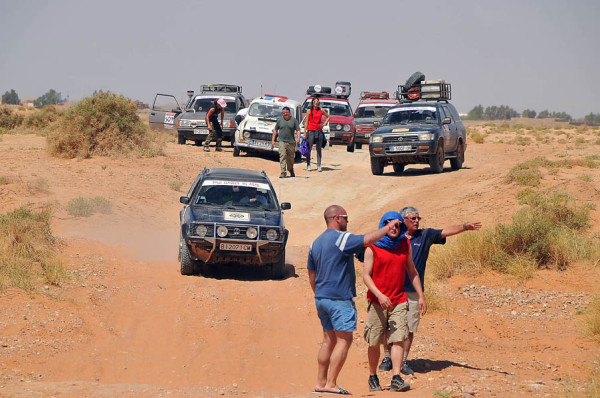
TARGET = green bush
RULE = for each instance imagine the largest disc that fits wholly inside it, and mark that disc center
(28, 251)
(42, 118)
(9, 120)
(105, 124)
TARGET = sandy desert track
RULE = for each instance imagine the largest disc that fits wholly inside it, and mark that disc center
(129, 324)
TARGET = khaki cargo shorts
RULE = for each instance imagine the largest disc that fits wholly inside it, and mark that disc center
(380, 320)
(414, 315)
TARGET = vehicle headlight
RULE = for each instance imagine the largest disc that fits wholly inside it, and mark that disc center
(346, 127)
(222, 231)
(251, 233)
(426, 137)
(201, 230)
(272, 234)
(227, 123)
(246, 134)
(376, 138)
(338, 126)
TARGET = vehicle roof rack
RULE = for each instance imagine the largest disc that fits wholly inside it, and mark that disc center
(374, 95)
(221, 88)
(343, 89)
(427, 90)
(318, 90)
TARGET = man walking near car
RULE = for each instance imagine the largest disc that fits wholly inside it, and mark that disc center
(287, 132)
(385, 265)
(333, 280)
(420, 242)
(214, 128)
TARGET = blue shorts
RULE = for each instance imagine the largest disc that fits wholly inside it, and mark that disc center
(339, 315)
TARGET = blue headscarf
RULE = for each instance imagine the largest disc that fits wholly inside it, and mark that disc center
(386, 242)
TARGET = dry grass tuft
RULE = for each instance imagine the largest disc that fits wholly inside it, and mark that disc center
(82, 207)
(28, 251)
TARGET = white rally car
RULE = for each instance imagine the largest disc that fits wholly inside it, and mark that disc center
(255, 133)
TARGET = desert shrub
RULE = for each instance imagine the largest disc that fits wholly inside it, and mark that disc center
(476, 136)
(539, 236)
(42, 118)
(593, 313)
(39, 185)
(28, 251)
(9, 120)
(175, 185)
(4, 180)
(528, 174)
(82, 207)
(105, 124)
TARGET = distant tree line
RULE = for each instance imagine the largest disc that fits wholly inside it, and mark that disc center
(592, 118)
(50, 98)
(505, 112)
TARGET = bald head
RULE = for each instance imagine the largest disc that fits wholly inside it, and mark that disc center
(332, 211)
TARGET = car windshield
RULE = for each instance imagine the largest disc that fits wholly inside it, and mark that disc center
(372, 111)
(267, 110)
(334, 108)
(236, 194)
(204, 104)
(411, 115)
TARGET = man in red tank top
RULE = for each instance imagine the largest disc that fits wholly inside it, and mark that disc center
(385, 266)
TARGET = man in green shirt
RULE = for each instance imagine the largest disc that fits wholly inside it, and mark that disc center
(288, 129)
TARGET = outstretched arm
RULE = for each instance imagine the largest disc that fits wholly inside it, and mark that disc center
(457, 229)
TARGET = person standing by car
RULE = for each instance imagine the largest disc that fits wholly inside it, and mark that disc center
(212, 121)
(287, 132)
(386, 264)
(421, 241)
(333, 280)
(313, 130)
(241, 115)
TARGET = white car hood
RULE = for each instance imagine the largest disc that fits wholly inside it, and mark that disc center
(262, 126)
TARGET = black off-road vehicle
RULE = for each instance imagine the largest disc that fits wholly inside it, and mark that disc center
(424, 128)
(232, 216)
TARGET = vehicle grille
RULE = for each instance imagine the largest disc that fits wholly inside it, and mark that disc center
(261, 136)
(402, 138)
(238, 232)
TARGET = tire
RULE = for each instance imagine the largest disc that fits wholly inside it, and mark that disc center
(398, 167)
(198, 142)
(358, 145)
(437, 161)
(180, 139)
(458, 161)
(350, 147)
(415, 78)
(278, 268)
(376, 166)
(236, 151)
(188, 265)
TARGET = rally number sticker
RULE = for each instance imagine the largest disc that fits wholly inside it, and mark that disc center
(169, 118)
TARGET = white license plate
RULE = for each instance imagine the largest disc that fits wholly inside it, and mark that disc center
(240, 247)
(200, 131)
(264, 144)
(400, 148)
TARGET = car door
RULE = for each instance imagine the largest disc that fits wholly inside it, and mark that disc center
(165, 113)
(450, 130)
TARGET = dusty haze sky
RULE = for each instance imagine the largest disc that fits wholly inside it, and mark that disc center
(541, 55)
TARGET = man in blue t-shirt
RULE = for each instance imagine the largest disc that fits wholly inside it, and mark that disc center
(333, 280)
(420, 241)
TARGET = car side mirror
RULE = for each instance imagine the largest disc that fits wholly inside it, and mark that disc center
(286, 206)
(446, 120)
(184, 200)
